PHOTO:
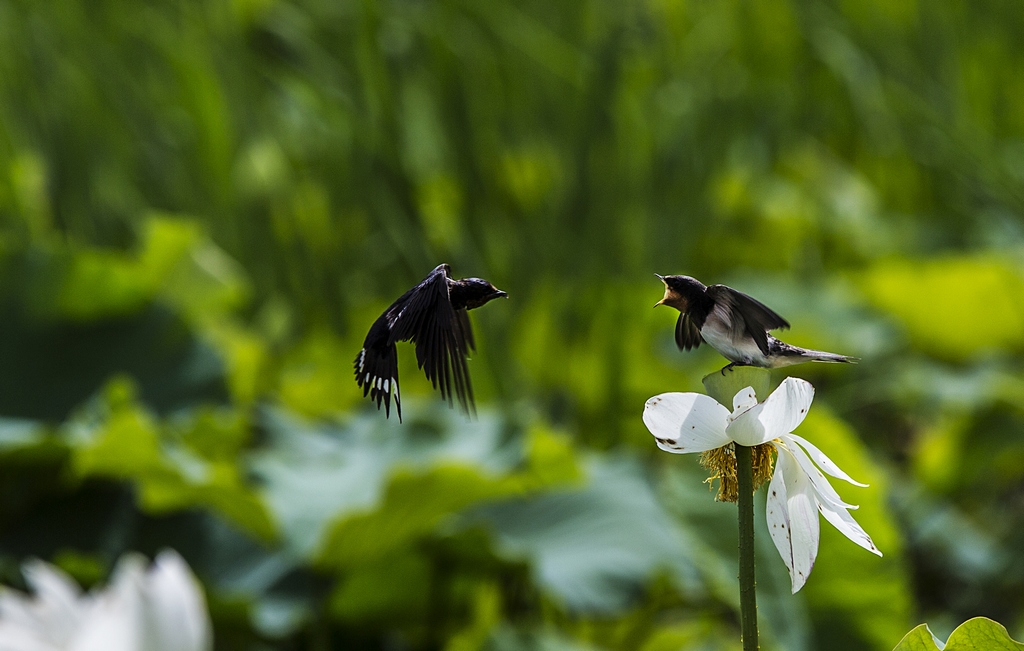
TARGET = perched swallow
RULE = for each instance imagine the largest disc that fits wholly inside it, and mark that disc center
(433, 316)
(734, 324)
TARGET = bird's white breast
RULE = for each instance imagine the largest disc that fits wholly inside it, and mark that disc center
(717, 331)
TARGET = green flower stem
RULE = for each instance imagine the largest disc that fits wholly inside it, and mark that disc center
(748, 596)
(722, 386)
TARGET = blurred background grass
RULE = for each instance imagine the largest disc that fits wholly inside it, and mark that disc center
(204, 205)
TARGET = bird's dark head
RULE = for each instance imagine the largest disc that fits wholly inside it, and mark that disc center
(473, 292)
(680, 291)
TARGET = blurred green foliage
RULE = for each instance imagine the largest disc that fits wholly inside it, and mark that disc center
(204, 205)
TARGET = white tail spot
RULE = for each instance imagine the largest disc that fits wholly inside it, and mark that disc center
(385, 386)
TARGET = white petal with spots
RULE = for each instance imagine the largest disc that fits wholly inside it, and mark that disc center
(844, 522)
(743, 400)
(686, 422)
(777, 516)
(803, 518)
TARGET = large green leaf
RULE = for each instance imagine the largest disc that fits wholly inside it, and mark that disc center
(358, 491)
(928, 296)
(978, 634)
(115, 437)
(414, 504)
(390, 588)
(920, 639)
(174, 260)
(593, 548)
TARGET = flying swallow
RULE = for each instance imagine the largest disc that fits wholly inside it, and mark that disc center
(432, 315)
(734, 324)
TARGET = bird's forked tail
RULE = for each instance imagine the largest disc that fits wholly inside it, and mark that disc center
(377, 373)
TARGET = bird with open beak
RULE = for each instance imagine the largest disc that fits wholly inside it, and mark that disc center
(734, 324)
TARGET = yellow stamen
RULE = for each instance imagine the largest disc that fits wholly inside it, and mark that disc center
(764, 460)
(722, 464)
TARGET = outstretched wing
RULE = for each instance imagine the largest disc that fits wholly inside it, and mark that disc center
(376, 368)
(467, 330)
(687, 333)
(442, 335)
(376, 365)
(748, 314)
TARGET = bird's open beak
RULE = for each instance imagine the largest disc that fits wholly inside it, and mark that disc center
(662, 301)
(499, 294)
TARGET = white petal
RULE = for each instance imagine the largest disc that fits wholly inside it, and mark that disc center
(686, 422)
(743, 400)
(159, 610)
(803, 517)
(175, 611)
(50, 583)
(15, 638)
(844, 522)
(747, 429)
(53, 613)
(780, 414)
(114, 621)
(669, 447)
(822, 488)
(824, 462)
(787, 406)
(112, 626)
(777, 516)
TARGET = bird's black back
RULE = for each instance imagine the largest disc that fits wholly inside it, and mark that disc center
(433, 316)
(747, 316)
(744, 315)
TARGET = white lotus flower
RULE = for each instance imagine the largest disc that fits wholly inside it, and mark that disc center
(159, 609)
(693, 422)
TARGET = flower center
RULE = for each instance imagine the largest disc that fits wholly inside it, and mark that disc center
(721, 462)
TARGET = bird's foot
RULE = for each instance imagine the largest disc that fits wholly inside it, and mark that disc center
(730, 366)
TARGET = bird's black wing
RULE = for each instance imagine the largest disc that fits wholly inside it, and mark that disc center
(467, 329)
(442, 335)
(754, 317)
(377, 369)
(376, 364)
(687, 333)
